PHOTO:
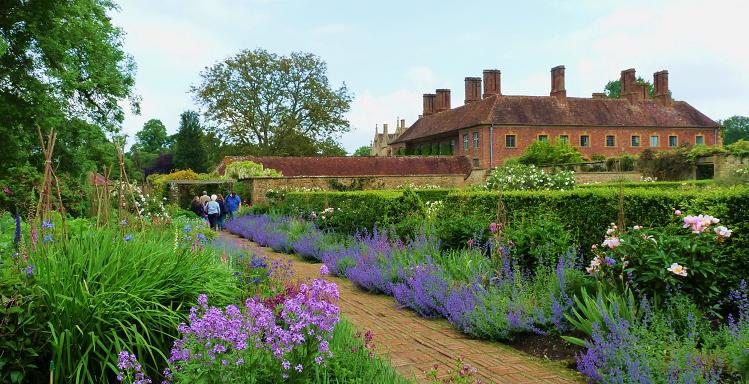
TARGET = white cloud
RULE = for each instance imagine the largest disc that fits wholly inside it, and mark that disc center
(421, 77)
(369, 109)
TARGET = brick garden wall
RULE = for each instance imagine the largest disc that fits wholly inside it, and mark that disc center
(605, 177)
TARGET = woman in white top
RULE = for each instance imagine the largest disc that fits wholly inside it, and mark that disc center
(213, 210)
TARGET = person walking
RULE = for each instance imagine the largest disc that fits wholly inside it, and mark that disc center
(204, 199)
(213, 210)
(233, 203)
(222, 214)
(196, 207)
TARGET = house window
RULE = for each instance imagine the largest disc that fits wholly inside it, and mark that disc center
(452, 146)
(543, 137)
(475, 163)
(654, 141)
(564, 139)
(585, 141)
(699, 139)
(476, 140)
(510, 141)
(465, 141)
(610, 140)
(673, 141)
(635, 141)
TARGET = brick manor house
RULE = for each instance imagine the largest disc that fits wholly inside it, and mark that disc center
(492, 127)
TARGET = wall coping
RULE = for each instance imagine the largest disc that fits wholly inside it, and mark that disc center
(352, 177)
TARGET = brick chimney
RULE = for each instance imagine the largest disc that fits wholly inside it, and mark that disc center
(429, 102)
(385, 133)
(492, 82)
(661, 94)
(443, 100)
(557, 82)
(473, 89)
(628, 85)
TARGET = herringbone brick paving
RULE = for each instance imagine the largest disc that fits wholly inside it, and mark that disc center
(414, 344)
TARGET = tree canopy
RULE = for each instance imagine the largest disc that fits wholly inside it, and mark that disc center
(735, 128)
(365, 150)
(273, 103)
(189, 151)
(153, 137)
(61, 66)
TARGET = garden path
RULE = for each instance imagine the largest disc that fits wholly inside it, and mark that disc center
(414, 344)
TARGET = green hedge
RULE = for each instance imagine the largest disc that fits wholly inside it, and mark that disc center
(653, 185)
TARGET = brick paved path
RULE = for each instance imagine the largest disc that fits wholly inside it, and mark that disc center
(415, 344)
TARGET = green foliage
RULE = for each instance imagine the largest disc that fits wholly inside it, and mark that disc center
(739, 149)
(152, 138)
(674, 164)
(239, 170)
(189, 151)
(735, 128)
(528, 177)
(51, 80)
(363, 151)
(590, 310)
(624, 163)
(550, 152)
(299, 106)
(101, 293)
(538, 240)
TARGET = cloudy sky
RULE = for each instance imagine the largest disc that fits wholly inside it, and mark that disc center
(390, 52)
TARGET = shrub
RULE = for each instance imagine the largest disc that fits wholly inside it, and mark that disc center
(239, 170)
(550, 152)
(528, 177)
(624, 163)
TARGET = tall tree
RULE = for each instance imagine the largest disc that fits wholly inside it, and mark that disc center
(735, 128)
(613, 89)
(61, 66)
(152, 138)
(189, 151)
(262, 99)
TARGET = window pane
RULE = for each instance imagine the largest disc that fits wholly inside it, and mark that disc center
(699, 140)
(475, 139)
(653, 141)
(635, 141)
(610, 141)
(543, 137)
(673, 141)
(584, 141)
(564, 138)
(465, 141)
(510, 141)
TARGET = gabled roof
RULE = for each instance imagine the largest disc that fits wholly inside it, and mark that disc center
(547, 110)
(360, 165)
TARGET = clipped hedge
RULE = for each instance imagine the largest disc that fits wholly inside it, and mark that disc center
(653, 185)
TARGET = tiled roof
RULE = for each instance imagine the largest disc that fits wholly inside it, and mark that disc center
(360, 166)
(546, 110)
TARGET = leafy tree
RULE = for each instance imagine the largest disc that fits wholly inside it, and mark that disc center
(269, 101)
(364, 150)
(735, 128)
(189, 151)
(550, 152)
(62, 67)
(613, 89)
(152, 138)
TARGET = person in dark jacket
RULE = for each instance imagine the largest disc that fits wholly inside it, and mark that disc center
(222, 215)
(196, 207)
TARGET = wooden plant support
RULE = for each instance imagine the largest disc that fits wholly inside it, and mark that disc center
(44, 206)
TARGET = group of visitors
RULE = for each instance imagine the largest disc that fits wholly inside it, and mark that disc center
(215, 208)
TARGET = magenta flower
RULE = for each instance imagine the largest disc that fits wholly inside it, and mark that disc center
(324, 270)
(493, 227)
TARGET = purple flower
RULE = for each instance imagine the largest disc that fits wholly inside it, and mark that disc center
(29, 271)
(123, 222)
(493, 227)
(7, 190)
(47, 238)
(299, 368)
(128, 237)
(47, 224)
(324, 270)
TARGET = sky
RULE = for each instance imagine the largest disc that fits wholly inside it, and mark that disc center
(389, 53)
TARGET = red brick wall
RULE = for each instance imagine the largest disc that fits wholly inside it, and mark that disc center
(525, 135)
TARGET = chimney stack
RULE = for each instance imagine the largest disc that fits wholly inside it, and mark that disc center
(473, 89)
(385, 133)
(443, 100)
(599, 95)
(661, 94)
(492, 82)
(628, 85)
(557, 82)
(403, 123)
(429, 99)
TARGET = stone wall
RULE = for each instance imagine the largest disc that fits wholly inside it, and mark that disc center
(725, 166)
(259, 186)
(605, 177)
